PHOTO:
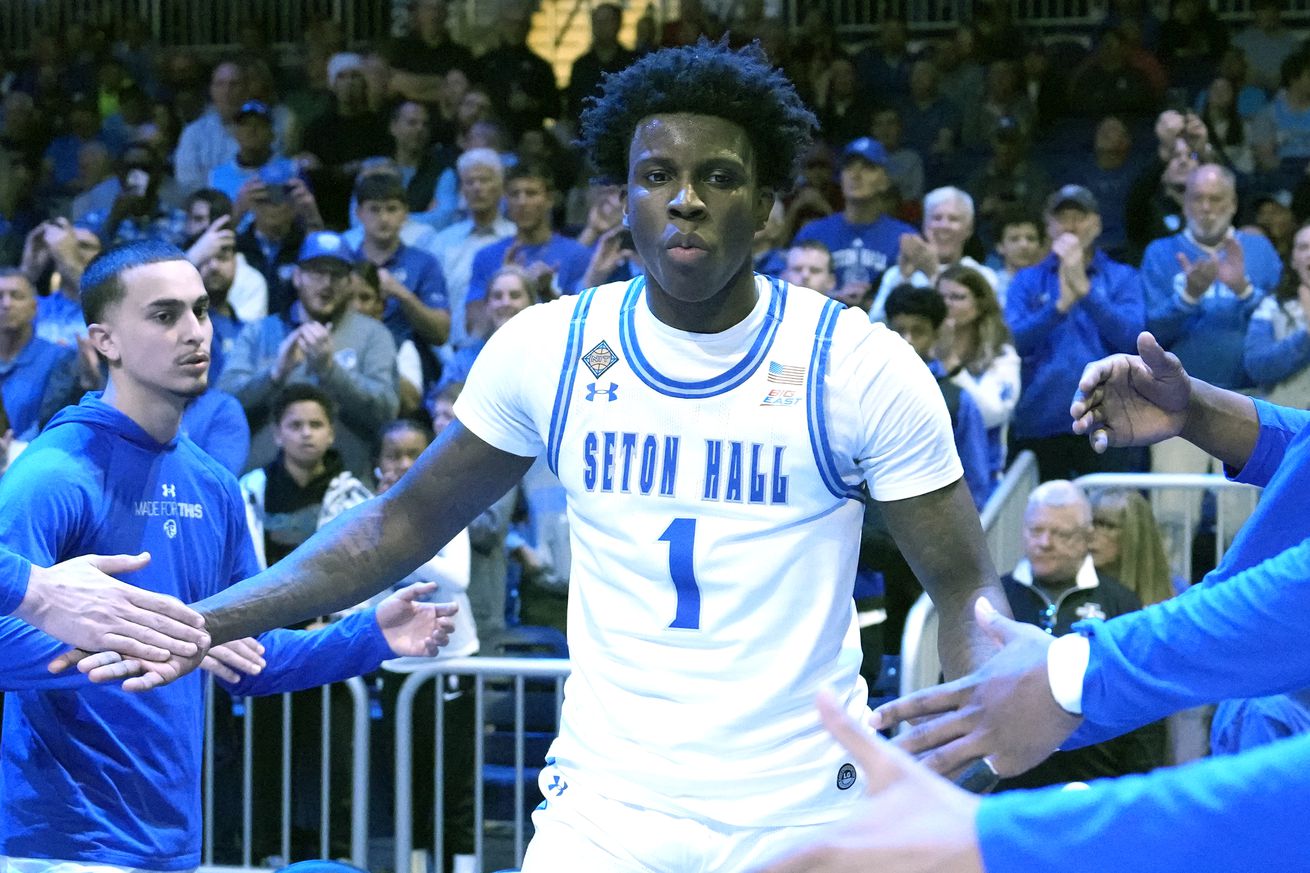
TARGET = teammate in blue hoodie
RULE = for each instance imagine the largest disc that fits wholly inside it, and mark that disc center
(1231, 813)
(92, 775)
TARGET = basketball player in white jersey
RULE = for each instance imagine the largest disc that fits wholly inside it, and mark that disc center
(713, 430)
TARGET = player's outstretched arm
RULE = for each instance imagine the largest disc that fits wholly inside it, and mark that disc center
(413, 628)
(362, 552)
(373, 545)
(80, 603)
(910, 820)
(1003, 712)
(942, 540)
(1138, 400)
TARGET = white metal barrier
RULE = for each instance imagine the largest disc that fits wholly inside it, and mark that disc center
(360, 744)
(516, 672)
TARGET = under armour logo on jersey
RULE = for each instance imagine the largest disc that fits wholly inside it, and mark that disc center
(600, 359)
(169, 490)
(610, 394)
(557, 785)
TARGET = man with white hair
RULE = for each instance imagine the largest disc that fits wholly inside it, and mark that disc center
(481, 187)
(948, 215)
(1202, 285)
(1054, 586)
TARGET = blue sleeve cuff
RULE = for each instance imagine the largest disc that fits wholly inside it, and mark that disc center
(14, 573)
(1278, 427)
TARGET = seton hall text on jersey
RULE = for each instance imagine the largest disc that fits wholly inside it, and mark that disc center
(735, 471)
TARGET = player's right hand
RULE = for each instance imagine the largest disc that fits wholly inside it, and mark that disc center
(1132, 400)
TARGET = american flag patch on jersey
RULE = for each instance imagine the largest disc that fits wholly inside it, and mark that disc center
(786, 375)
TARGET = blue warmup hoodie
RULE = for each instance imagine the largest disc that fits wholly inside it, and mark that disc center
(91, 773)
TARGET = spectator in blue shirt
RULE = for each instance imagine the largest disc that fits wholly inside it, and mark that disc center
(255, 157)
(863, 238)
(1075, 306)
(36, 376)
(1203, 285)
(413, 286)
(556, 263)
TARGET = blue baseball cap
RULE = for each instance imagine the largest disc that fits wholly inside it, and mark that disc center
(326, 244)
(866, 148)
(255, 109)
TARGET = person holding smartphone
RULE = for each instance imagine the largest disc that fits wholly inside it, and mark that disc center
(138, 212)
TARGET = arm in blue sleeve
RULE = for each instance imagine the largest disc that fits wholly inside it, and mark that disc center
(971, 444)
(25, 652)
(1118, 308)
(1208, 644)
(306, 659)
(1244, 812)
(14, 571)
(479, 274)
(1279, 426)
(1269, 361)
(1031, 325)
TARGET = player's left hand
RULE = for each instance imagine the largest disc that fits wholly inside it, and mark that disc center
(230, 660)
(413, 628)
(909, 821)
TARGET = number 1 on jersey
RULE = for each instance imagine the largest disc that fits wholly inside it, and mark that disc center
(681, 537)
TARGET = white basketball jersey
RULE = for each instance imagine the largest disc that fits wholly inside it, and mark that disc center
(714, 536)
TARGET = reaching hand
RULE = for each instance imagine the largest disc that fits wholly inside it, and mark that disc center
(413, 628)
(78, 603)
(1003, 712)
(230, 660)
(1127, 400)
(910, 819)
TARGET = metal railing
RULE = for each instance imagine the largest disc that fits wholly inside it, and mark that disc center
(1157, 482)
(360, 746)
(516, 672)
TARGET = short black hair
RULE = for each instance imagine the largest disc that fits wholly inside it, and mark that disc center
(301, 392)
(379, 186)
(401, 425)
(907, 299)
(1018, 214)
(707, 78)
(219, 203)
(102, 282)
(531, 170)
